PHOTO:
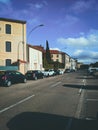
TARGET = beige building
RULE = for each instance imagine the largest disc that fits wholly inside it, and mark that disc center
(67, 61)
(56, 55)
(13, 43)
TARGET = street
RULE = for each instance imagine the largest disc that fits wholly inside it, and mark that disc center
(62, 102)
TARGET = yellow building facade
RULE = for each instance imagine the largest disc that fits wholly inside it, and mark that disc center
(13, 43)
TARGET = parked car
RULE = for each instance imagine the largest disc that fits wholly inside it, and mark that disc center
(34, 74)
(95, 74)
(91, 70)
(7, 78)
(58, 72)
(49, 72)
(67, 71)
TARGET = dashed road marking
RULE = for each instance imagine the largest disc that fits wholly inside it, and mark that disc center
(54, 85)
(84, 84)
(21, 101)
(92, 99)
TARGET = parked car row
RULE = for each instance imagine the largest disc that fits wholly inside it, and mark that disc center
(92, 70)
(51, 72)
(7, 78)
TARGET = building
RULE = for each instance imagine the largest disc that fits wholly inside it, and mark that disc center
(67, 61)
(34, 58)
(59, 58)
(13, 44)
(56, 56)
(73, 63)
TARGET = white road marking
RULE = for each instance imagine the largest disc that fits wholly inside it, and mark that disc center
(79, 107)
(91, 99)
(80, 90)
(54, 85)
(7, 108)
(84, 84)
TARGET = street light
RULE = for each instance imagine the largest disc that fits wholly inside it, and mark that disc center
(27, 40)
(18, 52)
(34, 29)
(40, 25)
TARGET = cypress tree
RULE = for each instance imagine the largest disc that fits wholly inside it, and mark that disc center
(48, 55)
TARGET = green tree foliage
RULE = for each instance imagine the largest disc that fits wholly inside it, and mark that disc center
(46, 64)
(48, 55)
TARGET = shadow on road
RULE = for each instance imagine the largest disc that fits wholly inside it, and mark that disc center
(86, 77)
(44, 121)
(89, 87)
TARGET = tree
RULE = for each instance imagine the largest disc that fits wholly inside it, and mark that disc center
(48, 55)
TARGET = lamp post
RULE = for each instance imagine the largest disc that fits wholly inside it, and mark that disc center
(40, 25)
(18, 52)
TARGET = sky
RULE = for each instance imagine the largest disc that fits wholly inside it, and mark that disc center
(70, 26)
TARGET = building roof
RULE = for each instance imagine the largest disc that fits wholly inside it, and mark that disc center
(56, 52)
(39, 48)
(12, 20)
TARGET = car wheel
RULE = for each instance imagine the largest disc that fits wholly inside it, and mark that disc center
(25, 80)
(42, 76)
(8, 84)
(35, 78)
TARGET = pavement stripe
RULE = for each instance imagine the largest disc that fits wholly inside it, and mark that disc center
(92, 99)
(54, 85)
(21, 101)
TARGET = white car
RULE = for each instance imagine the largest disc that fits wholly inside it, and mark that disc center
(49, 72)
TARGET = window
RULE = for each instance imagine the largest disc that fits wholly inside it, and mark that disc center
(8, 29)
(8, 46)
(51, 56)
(57, 55)
(8, 62)
(57, 60)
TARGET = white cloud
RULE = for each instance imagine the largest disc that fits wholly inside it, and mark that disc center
(81, 6)
(82, 41)
(67, 21)
(86, 56)
(37, 5)
(85, 48)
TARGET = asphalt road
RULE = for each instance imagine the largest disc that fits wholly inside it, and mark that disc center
(64, 102)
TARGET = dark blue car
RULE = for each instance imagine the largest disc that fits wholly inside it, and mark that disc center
(34, 74)
(7, 78)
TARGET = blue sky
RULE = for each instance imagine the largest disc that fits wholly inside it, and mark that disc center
(69, 25)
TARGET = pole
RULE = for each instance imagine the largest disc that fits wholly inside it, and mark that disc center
(34, 29)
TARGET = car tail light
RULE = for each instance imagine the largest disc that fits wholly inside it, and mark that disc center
(4, 77)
